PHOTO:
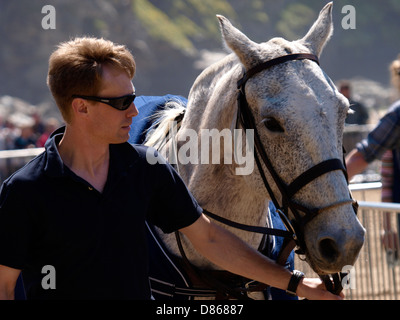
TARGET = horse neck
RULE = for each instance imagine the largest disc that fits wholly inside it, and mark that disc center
(219, 190)
(227, 197)
(216, 187)
(212, 105)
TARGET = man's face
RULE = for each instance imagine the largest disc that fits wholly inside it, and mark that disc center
(106, 123)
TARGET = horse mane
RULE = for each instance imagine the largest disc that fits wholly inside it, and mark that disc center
(164, 121)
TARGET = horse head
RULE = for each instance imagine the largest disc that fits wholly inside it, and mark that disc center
(299, 116)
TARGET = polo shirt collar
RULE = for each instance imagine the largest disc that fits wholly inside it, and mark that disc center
(121, 156)
(54, 164)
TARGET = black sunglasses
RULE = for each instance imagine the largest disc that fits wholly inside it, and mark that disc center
(119, 103)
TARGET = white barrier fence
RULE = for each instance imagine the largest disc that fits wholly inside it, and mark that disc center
(375, 275)
(12, 160)
(21, 153)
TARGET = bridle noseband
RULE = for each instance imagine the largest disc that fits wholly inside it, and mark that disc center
(294, 236)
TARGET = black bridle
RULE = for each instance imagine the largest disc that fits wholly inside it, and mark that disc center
(294, 236)
(246, 118)
(294, 226)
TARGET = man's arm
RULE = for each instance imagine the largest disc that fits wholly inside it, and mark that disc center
(230, 253)
(355, 163)
(8, 280)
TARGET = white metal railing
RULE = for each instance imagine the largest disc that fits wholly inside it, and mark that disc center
(380, 206)
(12, 160)
(20, 153)
(365, 186)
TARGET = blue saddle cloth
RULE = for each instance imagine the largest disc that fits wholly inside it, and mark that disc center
(277, 242)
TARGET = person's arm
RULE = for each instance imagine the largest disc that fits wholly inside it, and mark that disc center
(8, 280)
(355, 163)
(230, 253)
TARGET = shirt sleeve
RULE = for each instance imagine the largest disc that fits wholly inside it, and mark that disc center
(385, 136)
(15, 227)
(172, 206)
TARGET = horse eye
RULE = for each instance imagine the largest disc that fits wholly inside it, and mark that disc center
(273, 125)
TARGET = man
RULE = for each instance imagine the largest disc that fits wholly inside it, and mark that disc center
(82, 225)
(383, 143)
(383, 138)
(360, 113)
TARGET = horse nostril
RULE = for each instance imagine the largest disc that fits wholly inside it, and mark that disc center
(328, 249)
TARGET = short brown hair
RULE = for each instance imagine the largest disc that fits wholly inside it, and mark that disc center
(75, 67)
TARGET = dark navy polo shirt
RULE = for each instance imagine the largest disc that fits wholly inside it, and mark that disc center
(95, 241)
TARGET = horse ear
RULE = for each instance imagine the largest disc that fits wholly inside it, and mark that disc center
(320, 32)
(244, 48)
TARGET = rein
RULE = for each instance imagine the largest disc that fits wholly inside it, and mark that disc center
(294, 235)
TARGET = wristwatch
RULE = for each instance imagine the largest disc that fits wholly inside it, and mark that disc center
(294, 282)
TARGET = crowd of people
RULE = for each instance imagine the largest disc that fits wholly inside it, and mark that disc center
(29, 132)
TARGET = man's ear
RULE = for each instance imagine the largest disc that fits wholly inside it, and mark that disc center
(79, 106)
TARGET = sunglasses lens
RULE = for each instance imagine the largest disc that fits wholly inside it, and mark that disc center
(124, 102)
(129, 100)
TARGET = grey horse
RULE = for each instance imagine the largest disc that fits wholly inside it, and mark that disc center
(299, 116)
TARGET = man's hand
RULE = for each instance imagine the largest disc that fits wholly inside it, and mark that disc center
(314, 289)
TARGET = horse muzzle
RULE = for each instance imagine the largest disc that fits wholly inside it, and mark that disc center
(330, 249)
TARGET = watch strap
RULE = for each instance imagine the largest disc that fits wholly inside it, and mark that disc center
(294, 282)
